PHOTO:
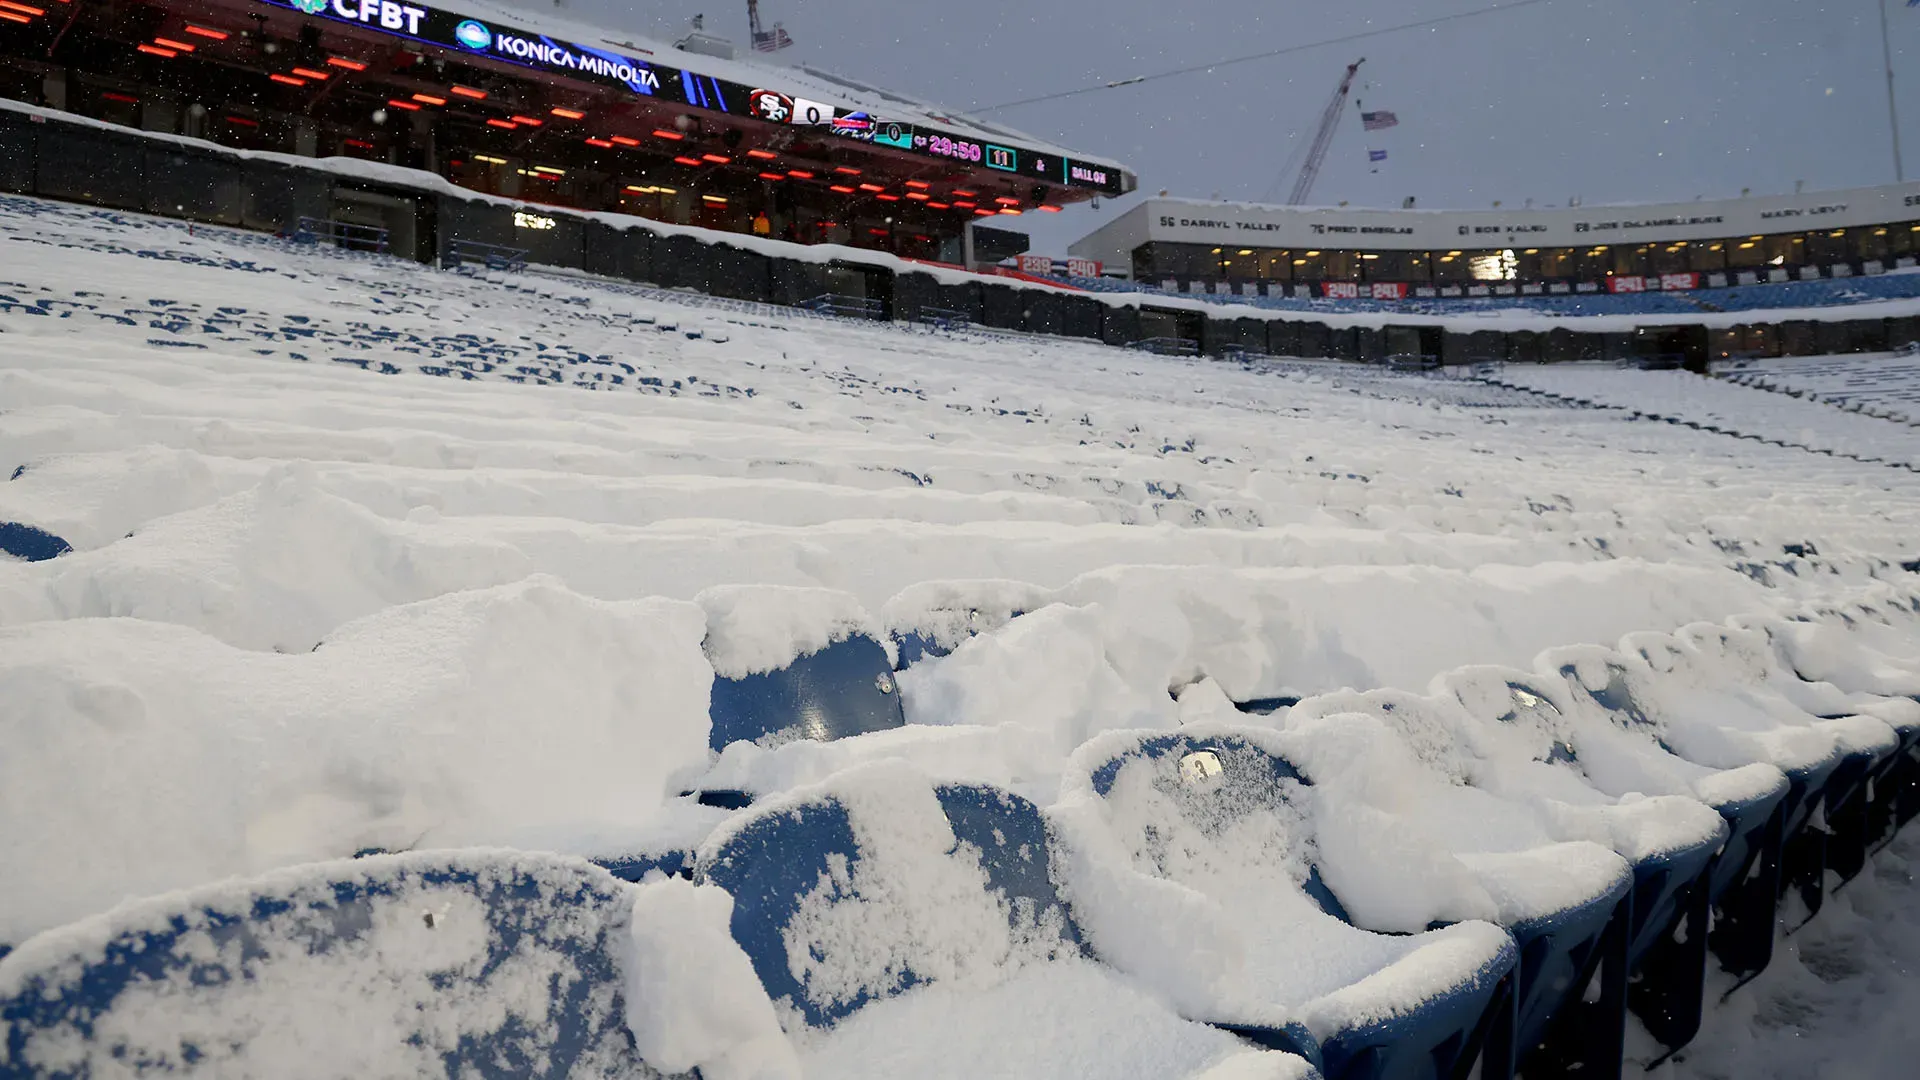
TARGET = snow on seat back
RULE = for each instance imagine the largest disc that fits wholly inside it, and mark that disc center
(1220, 815)
(909, 929)
(470, 963)
(794, 663)
(933, 618)
(863, 887)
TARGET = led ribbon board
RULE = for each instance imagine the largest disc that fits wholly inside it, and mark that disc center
(460, 33)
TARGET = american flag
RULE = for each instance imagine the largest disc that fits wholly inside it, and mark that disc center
(1375, 121)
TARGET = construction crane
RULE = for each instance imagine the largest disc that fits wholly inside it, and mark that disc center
(1322, 139)
(765, 40)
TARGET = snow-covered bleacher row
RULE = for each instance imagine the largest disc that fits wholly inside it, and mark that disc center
(1884, 386)
(1733, 407)
(841, 700)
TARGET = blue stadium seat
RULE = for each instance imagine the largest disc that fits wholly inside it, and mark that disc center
(30, 543)
(786, 860)
(930, 620)
(1220, 779)
(1672, 889)
(431, 949)
(1619, 931)
(842, 690)
(1752, 871)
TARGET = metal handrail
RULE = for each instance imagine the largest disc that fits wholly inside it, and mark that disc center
(459, 253)
(344, 234)
(846, 307)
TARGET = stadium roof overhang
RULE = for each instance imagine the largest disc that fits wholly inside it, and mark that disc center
(562, 90)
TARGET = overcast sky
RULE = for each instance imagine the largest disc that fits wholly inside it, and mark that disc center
(1608, 100)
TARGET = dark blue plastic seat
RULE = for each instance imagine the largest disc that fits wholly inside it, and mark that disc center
(218, 980)
(30, 543)
(843, 690)
(1218, 779)
(1749, 874)
(786, 862)
(1607, 936)
(1672, 889)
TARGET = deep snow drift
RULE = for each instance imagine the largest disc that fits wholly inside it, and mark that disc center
(360, 562)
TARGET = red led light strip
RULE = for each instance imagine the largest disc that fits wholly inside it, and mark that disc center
(210, 35)
(150, 50)
(343, 62)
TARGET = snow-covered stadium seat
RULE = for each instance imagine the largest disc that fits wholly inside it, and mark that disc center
(472, 963)
(933, 618)
(1214, 818)
(1859, 798)
(1490, 795)
(795, 664)
(1624, 742)
(1715, 714)
(1828, 660)
(1528, 755)
(906, 929)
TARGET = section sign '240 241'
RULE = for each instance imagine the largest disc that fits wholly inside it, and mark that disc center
(454, 31)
